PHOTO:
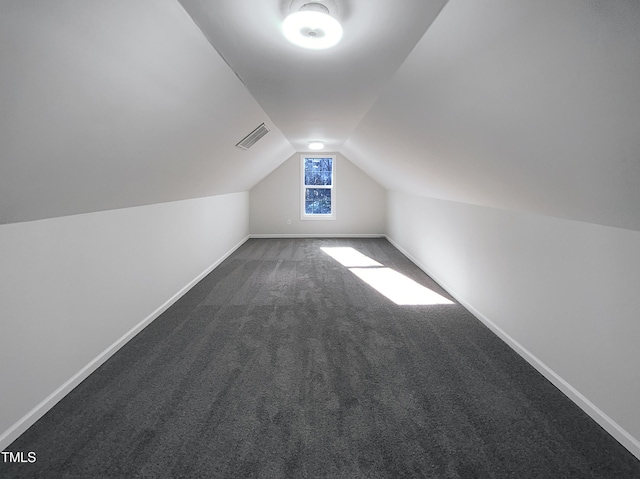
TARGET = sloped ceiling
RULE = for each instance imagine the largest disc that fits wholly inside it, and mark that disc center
(530, 106)
(110, 104)
(321, 94)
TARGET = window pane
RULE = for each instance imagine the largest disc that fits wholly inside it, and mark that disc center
(317, 201)
(318, 171)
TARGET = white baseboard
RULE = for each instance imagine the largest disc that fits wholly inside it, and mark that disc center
(11, 434)
(612, 427)
(374, 235)
(608, 424)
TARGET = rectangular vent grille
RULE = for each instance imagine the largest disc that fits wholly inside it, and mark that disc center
(252, 138)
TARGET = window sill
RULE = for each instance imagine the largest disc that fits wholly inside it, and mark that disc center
(317, 217)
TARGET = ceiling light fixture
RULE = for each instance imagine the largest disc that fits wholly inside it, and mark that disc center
(312, 27)
(316, 145)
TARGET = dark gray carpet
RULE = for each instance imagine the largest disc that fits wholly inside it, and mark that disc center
(281, 363)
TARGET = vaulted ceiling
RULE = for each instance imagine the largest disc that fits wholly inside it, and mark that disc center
(313, 94)
(119, 103)
(521, 105)
(530, 106)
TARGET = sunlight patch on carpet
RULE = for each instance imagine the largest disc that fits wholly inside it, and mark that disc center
(394, 285)
(397, 287)
(349, 257)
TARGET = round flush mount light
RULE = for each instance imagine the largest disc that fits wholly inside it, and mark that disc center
(312, 27)
(316, 145)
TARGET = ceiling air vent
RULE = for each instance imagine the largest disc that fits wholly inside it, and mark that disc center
(252, 138)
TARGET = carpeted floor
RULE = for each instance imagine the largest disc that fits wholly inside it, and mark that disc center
(283, 363)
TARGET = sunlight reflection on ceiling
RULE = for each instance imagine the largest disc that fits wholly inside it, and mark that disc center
(394, 285)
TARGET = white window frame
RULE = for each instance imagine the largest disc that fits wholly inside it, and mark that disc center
(332, 187)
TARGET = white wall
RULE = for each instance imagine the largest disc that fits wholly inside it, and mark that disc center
(360, 203)
(73, 287)
(564, 293)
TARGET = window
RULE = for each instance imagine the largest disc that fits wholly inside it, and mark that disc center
(318, 181)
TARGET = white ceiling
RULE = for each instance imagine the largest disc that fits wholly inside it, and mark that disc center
(529, 106)
(314, 94)
(120, 103)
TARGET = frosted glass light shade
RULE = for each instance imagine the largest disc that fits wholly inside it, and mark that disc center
(316, 145)
(311, 29)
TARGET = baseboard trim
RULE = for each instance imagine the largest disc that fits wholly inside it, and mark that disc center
(342, 235)
(24, 423)
(607, 423)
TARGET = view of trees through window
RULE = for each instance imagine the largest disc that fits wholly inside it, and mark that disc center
(318, 182)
